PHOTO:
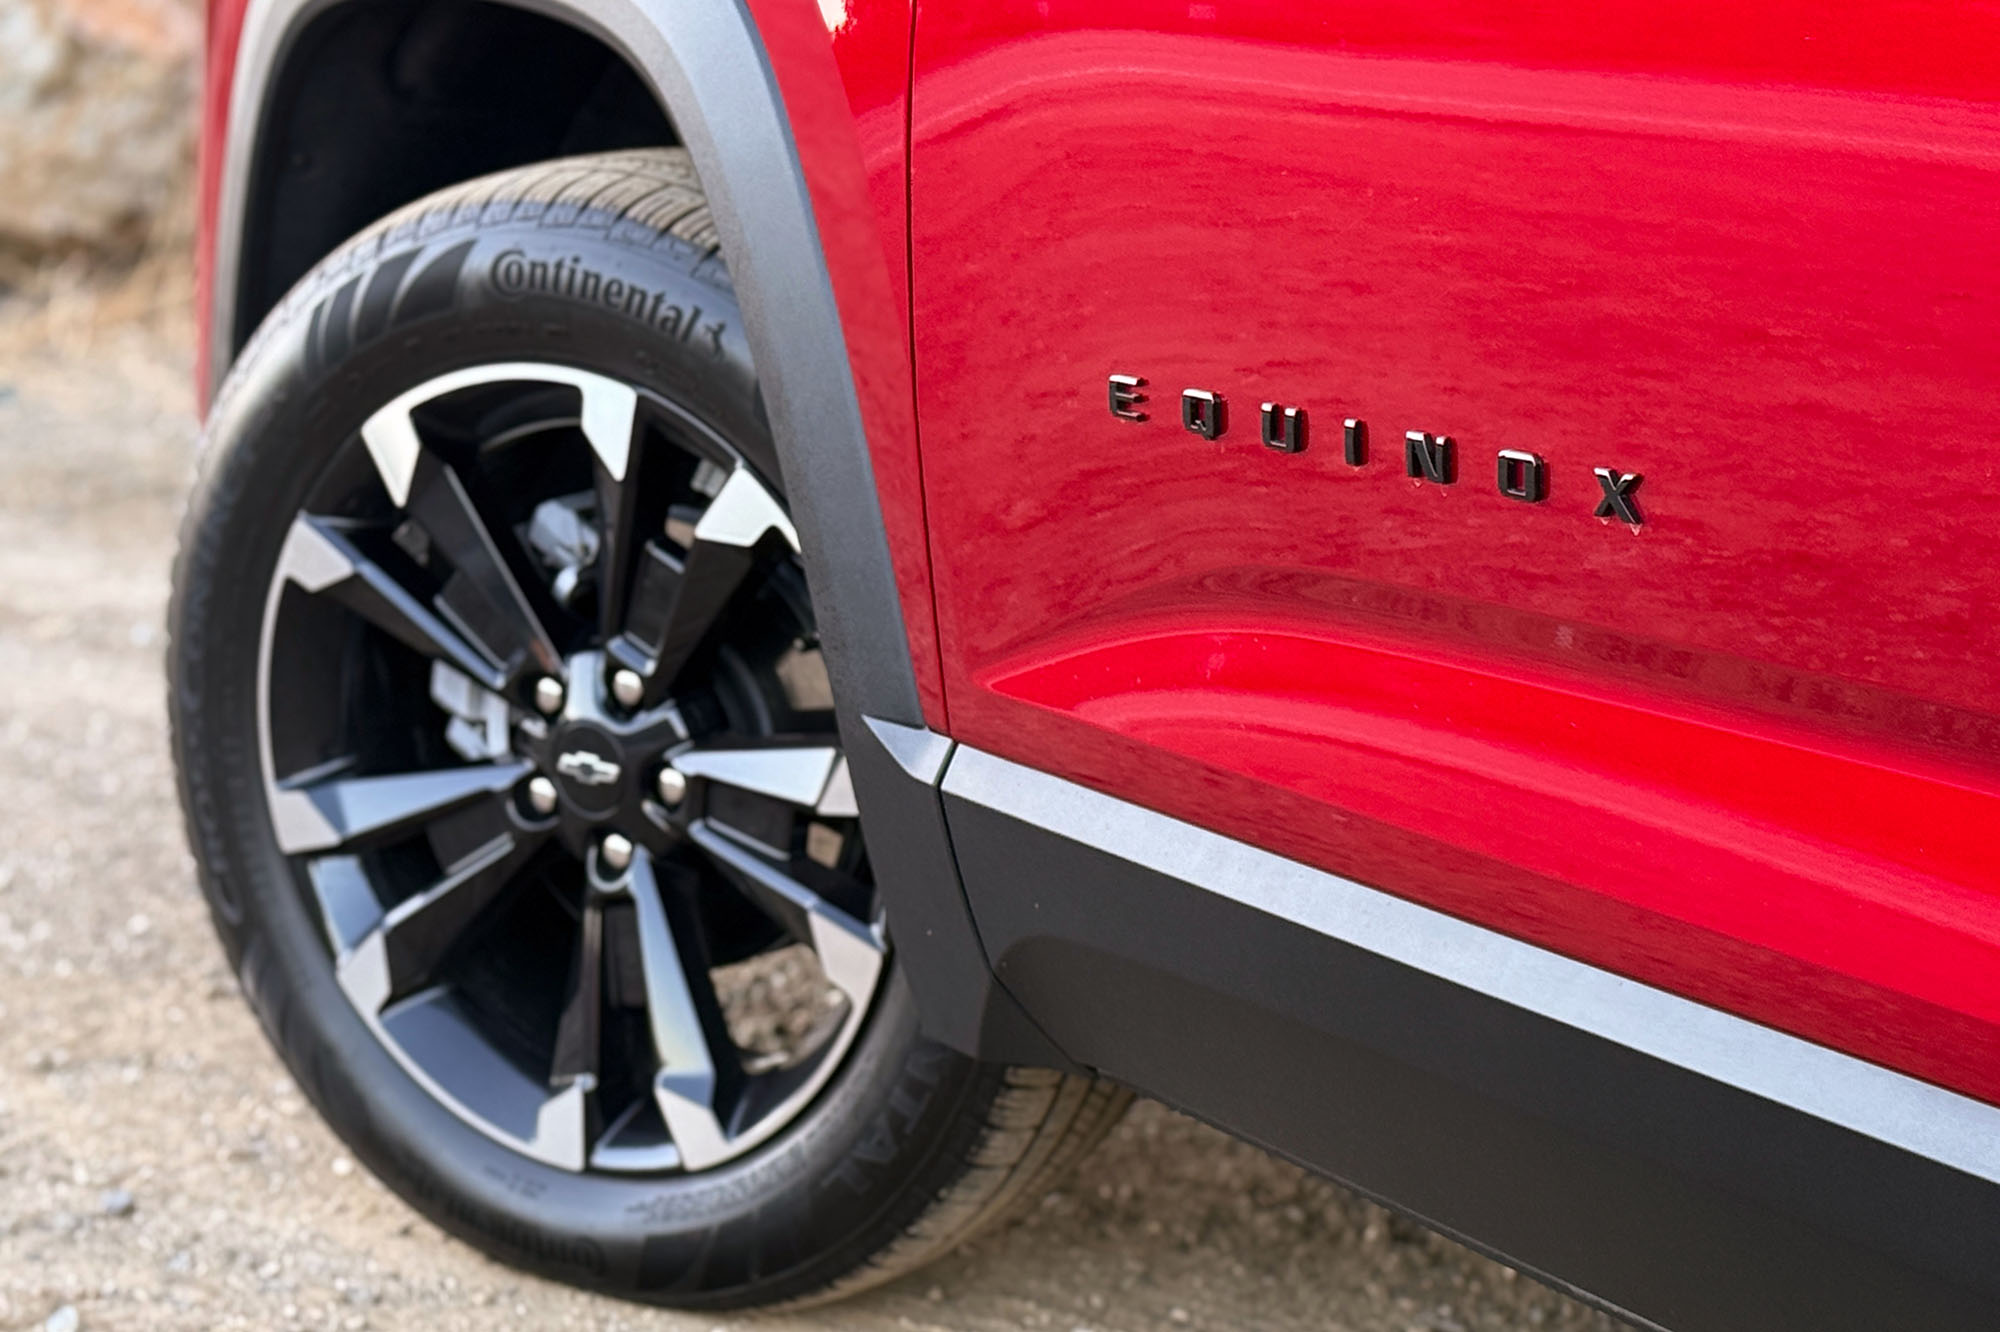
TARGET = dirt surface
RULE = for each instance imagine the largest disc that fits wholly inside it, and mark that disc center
(96, 125)
(158, 1169)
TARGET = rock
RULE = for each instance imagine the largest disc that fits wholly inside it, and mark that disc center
(96, 121)
(64, 1319)
(115, 1202)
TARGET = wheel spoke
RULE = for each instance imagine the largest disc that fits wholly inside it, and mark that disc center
(800, 775)
(611, 425)
(838, 800)
(620, 544)
(562, 1128)
(698, 1063)
(676, 600)
(578, 1033)
(440, 502)
(350, 812)
(321, 559)
(421, 483)
(850, 952)
(404, 951)
(677, 597)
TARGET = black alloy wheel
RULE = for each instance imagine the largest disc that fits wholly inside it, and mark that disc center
(632, 747)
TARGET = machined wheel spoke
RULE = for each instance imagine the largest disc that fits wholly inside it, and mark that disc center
(444, 508)
(850, 952)
(621, 545)
(698, 1062)
(808, 776)
(322, 559)
(350, 812)
(405, 950)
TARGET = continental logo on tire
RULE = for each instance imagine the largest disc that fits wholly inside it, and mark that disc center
(515, 275)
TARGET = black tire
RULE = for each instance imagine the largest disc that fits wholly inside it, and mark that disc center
(909, 1147)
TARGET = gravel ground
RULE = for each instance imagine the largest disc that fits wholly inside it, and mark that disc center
(159, 1170)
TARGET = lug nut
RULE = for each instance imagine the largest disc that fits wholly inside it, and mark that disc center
(615, 851)
(549, 695)
(672, 785)
(627, 687)
(541, 795)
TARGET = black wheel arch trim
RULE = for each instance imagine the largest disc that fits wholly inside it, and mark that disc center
(707, 65)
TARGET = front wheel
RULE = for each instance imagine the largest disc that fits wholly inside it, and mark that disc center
(512, 771)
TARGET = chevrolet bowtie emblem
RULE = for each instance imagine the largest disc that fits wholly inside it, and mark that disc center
(583, 766)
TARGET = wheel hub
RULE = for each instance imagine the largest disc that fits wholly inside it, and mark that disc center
(589, 768)
(603, 760)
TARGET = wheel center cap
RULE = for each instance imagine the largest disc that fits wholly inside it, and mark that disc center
(590, 769)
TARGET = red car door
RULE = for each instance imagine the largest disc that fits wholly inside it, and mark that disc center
(1538, 460)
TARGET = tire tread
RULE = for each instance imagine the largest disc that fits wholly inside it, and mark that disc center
(1041, 1123)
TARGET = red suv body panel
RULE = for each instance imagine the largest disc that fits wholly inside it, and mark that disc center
(1744, 750)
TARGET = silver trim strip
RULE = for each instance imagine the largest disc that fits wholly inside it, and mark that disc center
(1890, 1107)
(919, 751)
